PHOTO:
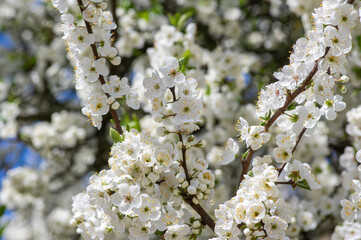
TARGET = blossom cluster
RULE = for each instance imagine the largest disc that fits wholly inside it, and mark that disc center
(160, 182)
(258, 206)
(303, 93)
(144, 189)
(90, 44)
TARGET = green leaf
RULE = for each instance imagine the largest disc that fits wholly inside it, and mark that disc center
(245, 154)
(2, 210)
(134, 123)
(291, 106)
(144, 15)
(183, 18)
(208, 91)
(114, 134)
(303, 184)
(2, 230)
(184, 60)
(173, 19)
(250, 173)
(159, 233)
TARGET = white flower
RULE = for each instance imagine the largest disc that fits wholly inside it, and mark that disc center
(282, 210)
(243, 128)
(80, 38)
(171, 72)
(255, 212)
(229, 152)
(344, 17)
(299, 171)
(282, 155)
(126, 198)
(106, 21)
(228, 234)
(286, 141)
(358, 156)
(132, 99)
(97, 197)
(187, 109)
(339, 41)
(141, 230)
(332, 106)
(97, 104)
(154, 86)
(163, 158)
(61, 5)
(188, 87)
(206, 177)
(200, 164)
(91, 13)
(307, 220)
(116, 87)
(275, 227)
(257, 137)
(149, 209)
(348, 211)
(92, 69)
(177, 232)
(106, 49)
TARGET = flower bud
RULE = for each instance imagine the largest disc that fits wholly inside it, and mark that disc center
(344, 79)
(153, 176)
(343, 89)
(180, 145)
(116, 61)
(185, 184)
(191, 190)
(195, 231)
(202, 187)
(158, 118)
(180, 178)
(115, 105)
(149, 190)
(110, 100)
(247, 232)
(196, 224)
(200, 144)
(190, 138)
(161, 131)
(195, 201)
(157, 169)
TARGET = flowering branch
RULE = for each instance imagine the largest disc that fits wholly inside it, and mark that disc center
(294, 148)
(114, 113)
(291, 97)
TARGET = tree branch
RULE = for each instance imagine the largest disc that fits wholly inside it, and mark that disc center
(114, 113)
(282, 110)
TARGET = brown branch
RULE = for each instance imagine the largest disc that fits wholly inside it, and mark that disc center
(282, 110)
(184, 158)
(206, 219)
(294, 148)
(114, 113)
(114, 70)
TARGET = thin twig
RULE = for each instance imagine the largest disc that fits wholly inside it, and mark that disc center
(283, 109)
